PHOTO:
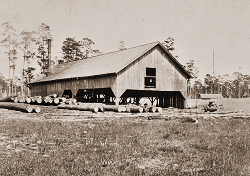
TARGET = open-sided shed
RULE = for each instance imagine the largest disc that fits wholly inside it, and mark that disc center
(143, 71)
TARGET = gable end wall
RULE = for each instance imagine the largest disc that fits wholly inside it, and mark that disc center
(169, 75)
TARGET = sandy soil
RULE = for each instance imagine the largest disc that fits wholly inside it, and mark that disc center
(227, 104)
(231, 104)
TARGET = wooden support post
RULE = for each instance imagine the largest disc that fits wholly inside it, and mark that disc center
(174, 99)
(117, 99)
(152, 100)
(97, 97)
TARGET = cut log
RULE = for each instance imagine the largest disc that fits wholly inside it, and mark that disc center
(114, 108)
(47, 100)
(127, 108)
(63, 99)
(159, 109)
(99, 105)
(56, 101)
(17, 106)
(66, 106)
(16, 100)
(152, 109)
(91, 104)
(73, 101)
(29, 109)
(136, 109)
(70, 101)
(38, 99)
(28, 100)
(88, 108)
(33, 99)
(37, 109)
(21, 100)
(78, 107)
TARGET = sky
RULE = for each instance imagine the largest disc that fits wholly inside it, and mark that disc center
(198, 27)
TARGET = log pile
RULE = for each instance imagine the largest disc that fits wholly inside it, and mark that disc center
(20, 107)
(72, 104)
(48, 100)
(99, 107)
(38, 100)
(28, 100)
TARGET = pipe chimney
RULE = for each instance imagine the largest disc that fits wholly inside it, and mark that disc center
(49, 55)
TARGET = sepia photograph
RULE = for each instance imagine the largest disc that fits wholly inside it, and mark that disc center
(134, 87)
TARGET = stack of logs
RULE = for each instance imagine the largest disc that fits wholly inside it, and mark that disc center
(48, 100)
(24, 103)
(72, 104)
(99, 107)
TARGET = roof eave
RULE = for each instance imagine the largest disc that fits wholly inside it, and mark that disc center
(39, 82)
(189, 75)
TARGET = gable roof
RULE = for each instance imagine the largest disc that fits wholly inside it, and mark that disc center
(110, 63)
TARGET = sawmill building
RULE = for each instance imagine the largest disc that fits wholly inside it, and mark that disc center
(119, 77)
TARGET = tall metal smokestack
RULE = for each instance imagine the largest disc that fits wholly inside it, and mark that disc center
(49, 55)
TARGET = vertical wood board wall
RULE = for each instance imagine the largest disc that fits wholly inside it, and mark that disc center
(48, 88)
(169, 75)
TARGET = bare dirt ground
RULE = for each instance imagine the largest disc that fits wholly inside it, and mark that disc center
(232, 104)
(228, 104)
(174, 142)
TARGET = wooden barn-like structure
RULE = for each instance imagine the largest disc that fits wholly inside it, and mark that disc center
(119, 77)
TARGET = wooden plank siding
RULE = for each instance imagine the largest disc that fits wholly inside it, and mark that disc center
(169, 75)
(170, 86)
(58, 87)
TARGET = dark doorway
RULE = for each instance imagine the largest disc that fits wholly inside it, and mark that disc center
(67, 94)
(164, 99)
(103, 95)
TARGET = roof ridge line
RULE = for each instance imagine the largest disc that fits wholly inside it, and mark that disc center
(156, 43)
(123, 49)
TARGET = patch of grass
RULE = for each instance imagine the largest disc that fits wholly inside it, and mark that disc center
(166, 136)
(171, 149)
(124, 146)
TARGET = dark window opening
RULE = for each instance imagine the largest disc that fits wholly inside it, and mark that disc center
(150, 71)
(150, 79)
(150, 82)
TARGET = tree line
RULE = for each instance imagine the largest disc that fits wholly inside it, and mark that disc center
(33, 46)
(229, 86)
(30, 44)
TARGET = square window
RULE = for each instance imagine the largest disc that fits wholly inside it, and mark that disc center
(150, 71)
(150, 82)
